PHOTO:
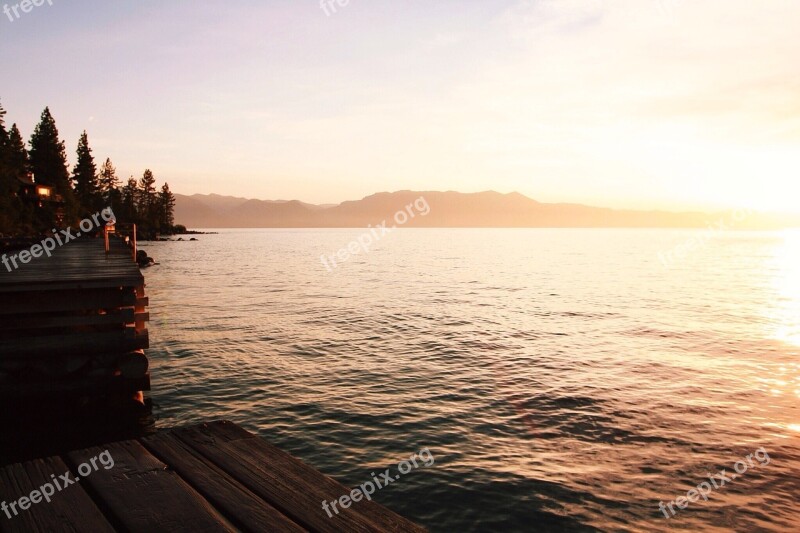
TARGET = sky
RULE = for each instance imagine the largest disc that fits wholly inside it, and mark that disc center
(668, 104)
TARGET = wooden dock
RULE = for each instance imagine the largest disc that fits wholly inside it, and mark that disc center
(211, 477)
(73, 324)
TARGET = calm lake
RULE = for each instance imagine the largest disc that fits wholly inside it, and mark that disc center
(563, 380)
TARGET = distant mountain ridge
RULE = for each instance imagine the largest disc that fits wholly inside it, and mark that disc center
(446, 209)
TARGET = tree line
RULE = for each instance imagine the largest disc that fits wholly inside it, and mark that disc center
(75, 195)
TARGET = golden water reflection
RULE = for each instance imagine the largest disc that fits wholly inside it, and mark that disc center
(786, 312)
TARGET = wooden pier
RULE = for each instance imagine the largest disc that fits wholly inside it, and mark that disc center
(73, 324)
(211, 477)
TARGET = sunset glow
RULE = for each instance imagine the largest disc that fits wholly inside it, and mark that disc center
(620, 103)
(418, 265)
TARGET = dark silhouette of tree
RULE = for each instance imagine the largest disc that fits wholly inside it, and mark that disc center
(166, 209)
(49, 165)
(85, 192)
(129, 195)
(7, 185)
(3, 132)
(19, 169)
(148, 200)
(18, 160)
(84, 176)
(109, 186)
(15, 216)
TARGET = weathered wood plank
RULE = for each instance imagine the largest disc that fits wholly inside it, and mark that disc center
(219, 478)
(293, 487)
(143, 494)
(80, 264)
(16, 391)
(78, 343)
(243, 508)
(79, 283)
(25, 322)
(70, 509)
(58, 301)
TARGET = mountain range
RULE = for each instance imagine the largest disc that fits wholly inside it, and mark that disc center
(446, 209)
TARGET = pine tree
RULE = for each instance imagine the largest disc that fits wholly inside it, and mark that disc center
(147, 199)
(130, 193)
(49, 165)
(166, 204)
(109, 185)
(3, 132)
(4, 142)
(48, 156)
(7, 185)
(84, 175)
(18, 160)
(15, 216)
(18, 165)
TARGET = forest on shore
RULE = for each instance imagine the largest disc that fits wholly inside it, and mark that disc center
(38, 192)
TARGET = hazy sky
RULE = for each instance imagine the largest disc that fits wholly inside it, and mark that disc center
(626, 103)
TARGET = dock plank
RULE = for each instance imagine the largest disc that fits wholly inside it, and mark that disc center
(78, 343)
(290, 485)
(143, 494)
(78, 264)
(68, 510)
(246, 510)
(20, 393)
(212, 477)
(116, 317)
(41, 300)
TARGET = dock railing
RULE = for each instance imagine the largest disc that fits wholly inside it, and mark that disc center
(126, 231)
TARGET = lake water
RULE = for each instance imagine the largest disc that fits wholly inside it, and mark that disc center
(563, 380)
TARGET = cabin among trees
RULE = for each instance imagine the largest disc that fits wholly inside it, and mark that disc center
(38, 192)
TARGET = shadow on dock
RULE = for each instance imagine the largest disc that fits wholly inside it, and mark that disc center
(72, 337)
(47, 429)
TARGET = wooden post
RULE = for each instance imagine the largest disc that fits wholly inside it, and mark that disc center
(140, 310)
(134, 242)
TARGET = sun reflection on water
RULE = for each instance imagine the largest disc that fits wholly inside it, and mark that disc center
(787, 285)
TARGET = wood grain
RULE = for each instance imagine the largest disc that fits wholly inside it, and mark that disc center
(212, 477)
(291, 486)
(240, 505)
(143, 494)
(68, 510)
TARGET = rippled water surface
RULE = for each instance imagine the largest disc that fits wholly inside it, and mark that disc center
(562, 379)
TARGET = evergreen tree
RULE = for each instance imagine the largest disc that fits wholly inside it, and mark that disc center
(18, 160)
(84, 175)
(166, 204)
(3, 132)
(129, 195)
(49, 165)
(18, 168)
(7, 185)
(4, 143)
(138, 201)
(109, 186)
(15, 216)
(148, 200)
